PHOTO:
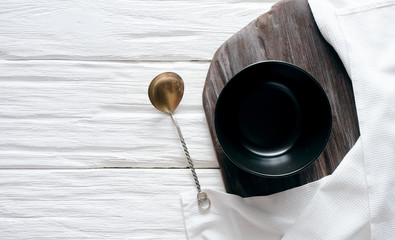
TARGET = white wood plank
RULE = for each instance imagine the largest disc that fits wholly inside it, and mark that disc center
(96, 204)
(70, 114)
(121, 29)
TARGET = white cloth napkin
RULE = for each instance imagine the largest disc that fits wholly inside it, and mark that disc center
(358, 200)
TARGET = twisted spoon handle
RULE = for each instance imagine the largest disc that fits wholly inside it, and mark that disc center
(202, 196)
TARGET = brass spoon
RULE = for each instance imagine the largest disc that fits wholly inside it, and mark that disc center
(165, 93)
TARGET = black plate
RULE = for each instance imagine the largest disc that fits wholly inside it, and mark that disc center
(273, 119)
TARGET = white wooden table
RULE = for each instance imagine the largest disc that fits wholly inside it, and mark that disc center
(83, 154)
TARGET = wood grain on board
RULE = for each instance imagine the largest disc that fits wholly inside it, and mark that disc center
(287, 33)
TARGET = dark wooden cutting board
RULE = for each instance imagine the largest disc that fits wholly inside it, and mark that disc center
(287, 33)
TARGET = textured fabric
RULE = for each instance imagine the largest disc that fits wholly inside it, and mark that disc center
(300, 213)
(357, 200)
(369, 43)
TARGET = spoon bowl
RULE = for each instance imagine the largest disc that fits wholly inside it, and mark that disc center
(166, 91)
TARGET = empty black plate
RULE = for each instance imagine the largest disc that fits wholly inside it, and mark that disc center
(273, 119)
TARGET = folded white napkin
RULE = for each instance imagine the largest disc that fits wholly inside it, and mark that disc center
(358, 200)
